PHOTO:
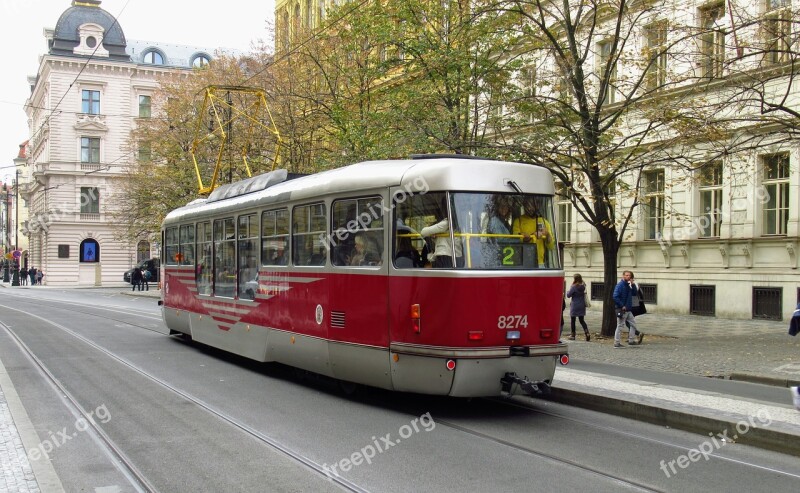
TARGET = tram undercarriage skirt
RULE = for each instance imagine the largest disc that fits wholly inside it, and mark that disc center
(527, 386)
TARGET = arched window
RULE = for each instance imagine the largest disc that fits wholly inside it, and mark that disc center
(153, 57)
(90, 251)
(201, 61)
(142, 251)
(285, 30)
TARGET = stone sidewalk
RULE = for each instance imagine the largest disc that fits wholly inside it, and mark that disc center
(695, 345)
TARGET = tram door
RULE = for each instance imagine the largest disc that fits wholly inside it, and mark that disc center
(358, 295)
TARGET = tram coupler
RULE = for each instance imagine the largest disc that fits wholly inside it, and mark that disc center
(527, 386)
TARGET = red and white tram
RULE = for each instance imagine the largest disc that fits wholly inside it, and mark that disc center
(342, 273)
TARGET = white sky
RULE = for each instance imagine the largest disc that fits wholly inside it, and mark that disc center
(225, 24)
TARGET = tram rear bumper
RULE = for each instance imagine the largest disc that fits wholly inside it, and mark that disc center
(486, 372)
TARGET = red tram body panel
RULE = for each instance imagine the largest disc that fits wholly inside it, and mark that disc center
(484, 322)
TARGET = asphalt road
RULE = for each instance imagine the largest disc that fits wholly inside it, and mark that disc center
(190, 418)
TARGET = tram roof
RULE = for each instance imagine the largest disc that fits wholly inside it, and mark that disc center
(412, 175)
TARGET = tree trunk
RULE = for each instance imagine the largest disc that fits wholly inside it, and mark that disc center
(608, 238)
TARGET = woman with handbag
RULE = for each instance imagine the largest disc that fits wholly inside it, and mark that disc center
(577, 308)
(637, 309)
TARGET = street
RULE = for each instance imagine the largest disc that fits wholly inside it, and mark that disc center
(118, 405)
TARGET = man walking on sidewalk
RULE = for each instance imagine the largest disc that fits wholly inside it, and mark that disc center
(624, 292)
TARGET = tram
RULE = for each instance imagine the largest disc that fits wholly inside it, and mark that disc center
(382, 273)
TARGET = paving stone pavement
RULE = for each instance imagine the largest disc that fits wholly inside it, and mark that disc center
(695, 345)
(17, 473)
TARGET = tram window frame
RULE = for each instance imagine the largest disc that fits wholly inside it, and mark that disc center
(204, 269)
(225, 257)
(171, 245)
(309, 220)
(186, 245)
(275, 237)
(247, 253)
(357, 220)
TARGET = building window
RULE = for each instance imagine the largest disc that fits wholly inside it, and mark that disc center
(702, 300)
(711, 200)
(777, 31)
(598, 290)
(63, 251)
(648, 293)
(90, 102)
(656, 75)
(768, 303)
(153, 57)
(142, 251)
(776, 186)
(564, 206)
(144, 106)
(90, 251)
(712, 40)
(201, 61)
(609, 96)
(654, 204)
(90, 200)
(90, 149)
(145, 152)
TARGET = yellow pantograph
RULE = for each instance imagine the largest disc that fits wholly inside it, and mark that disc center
(224, 109)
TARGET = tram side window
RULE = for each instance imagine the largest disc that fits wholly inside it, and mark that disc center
(224, 257)
(186, 248)
(357, 226)
(172, 246)
(204, 271)
(274, 237)
(308, 235)
(247, 246)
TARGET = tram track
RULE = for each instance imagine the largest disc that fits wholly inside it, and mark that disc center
(126, 466)
(475, 432)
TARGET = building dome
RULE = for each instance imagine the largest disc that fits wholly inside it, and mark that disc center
(69, 38)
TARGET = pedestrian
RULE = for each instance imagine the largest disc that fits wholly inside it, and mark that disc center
(146, 276)
(577, 307)
(39, 276)
(32, 274)
(636, 310)
(136, 279)
(624, 292)
(794, 329)
(23, 278)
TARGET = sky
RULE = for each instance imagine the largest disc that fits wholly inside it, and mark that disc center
(228, 24)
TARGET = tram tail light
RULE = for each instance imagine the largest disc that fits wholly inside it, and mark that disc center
(546, 333)
(415, 319)
(475, 335)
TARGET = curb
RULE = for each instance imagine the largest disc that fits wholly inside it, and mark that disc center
(766, 438)
(765, 379)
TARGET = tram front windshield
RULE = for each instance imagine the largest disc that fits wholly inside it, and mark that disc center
(488, 231)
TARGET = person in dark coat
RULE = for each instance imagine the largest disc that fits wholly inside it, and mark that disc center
(136, 279)
(577, 307)
(32, 275)
(794, 323)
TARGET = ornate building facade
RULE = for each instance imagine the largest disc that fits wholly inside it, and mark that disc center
(91, 88)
